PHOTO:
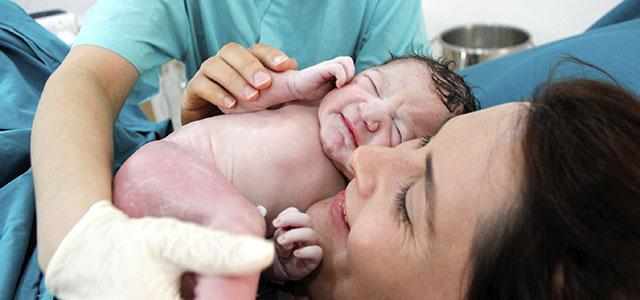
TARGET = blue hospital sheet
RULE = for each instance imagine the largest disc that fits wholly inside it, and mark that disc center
(28, 55)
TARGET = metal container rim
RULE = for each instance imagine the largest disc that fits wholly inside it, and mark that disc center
(478, 50)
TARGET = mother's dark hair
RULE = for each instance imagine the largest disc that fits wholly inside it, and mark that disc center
(575, 230)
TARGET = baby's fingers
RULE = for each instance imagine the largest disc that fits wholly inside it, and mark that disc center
(312, 253)
(349, 68)
(340, 74)
(303, 235)
(291, 217)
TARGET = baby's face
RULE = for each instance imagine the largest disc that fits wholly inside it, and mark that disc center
(385, 106)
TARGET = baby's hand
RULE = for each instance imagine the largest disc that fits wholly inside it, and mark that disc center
(316, 81)
(296, 246)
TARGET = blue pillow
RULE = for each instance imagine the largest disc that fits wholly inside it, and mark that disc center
(614, 48)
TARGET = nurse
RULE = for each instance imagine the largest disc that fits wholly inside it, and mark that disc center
(117, 58)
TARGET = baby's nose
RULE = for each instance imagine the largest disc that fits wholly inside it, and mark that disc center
(373, 114)
(372, 126)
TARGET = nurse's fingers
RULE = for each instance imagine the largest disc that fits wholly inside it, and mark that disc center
(272, 58)
(246, 64)
(204, 88)
(226, 76)
(201, 97)
(213, 252)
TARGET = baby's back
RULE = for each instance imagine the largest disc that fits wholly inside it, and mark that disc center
(273, 158)
(206, 171)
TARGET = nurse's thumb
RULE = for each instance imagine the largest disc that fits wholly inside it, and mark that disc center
(192, 247)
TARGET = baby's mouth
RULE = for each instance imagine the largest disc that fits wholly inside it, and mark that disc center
(352, 131)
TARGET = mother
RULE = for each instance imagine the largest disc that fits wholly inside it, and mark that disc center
(528, 201)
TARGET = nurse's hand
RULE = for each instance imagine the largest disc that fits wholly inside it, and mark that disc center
(233, 75)
(108, 255)
(310, 84)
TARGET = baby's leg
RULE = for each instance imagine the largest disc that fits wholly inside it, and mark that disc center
(161, 179)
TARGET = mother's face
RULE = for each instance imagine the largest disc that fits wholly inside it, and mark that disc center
(412, 211)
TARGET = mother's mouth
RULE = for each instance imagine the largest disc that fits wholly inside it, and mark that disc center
(338, 212)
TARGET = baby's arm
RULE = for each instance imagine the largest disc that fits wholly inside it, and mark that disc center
(308, 84)
(296, 247)
(316, 81)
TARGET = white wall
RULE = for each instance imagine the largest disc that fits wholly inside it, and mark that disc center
(545, 20)
(78, 7)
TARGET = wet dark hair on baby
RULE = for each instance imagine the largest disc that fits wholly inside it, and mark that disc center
(455, 93)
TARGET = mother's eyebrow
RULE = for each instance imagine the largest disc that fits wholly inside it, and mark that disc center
(429, 194)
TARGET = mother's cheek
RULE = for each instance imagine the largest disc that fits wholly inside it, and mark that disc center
(366, 246)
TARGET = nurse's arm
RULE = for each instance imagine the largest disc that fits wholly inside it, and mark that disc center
(72, 140)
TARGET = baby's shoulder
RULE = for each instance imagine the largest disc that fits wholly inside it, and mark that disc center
(298, 135)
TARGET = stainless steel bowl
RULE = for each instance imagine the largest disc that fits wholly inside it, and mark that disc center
(474, 43)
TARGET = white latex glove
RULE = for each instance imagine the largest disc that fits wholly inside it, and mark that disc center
(108, 255)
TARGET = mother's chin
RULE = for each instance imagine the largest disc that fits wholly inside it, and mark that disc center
(332, 237)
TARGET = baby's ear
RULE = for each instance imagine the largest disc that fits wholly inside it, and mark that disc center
(456, 108)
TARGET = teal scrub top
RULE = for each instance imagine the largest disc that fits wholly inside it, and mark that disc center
(150, 33)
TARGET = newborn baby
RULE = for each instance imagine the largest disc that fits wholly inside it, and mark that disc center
(206, 171)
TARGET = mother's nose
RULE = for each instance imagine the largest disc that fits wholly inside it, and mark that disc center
(365, 164)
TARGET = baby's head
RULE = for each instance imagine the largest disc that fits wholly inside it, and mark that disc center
(405, 98)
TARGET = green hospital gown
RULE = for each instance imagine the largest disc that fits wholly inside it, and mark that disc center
(151, 33)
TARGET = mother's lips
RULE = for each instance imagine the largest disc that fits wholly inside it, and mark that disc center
(338, 212)
(352, 130)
